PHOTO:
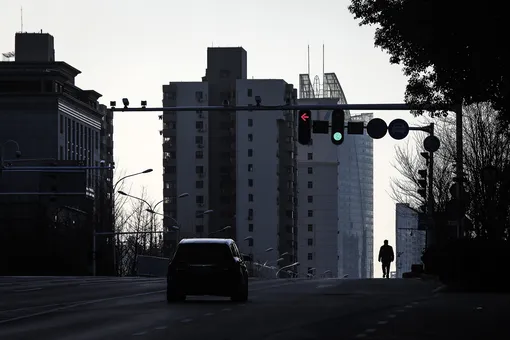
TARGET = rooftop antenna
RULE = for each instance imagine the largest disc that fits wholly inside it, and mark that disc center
(308, 60)
(21, 19)
(323, 73)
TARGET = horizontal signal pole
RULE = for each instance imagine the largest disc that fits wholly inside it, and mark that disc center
(426, 128)
(354, 107)
(43, 193)
(130, 232)
(50, 168)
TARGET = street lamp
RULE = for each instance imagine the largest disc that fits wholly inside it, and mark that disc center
(286, 267)
(136, 174)
(175, 227)
(219, 231)
(184, 194)
(113, 222)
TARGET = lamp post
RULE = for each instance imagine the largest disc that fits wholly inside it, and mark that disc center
(150, 207)
(219, 231)
(113, 215)
(175, 227)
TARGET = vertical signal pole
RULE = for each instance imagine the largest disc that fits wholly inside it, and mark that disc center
(304, 126)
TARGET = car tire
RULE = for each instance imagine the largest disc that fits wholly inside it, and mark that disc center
(241, 294)
(173, 296)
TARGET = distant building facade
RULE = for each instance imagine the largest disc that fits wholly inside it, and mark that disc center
(55, 122)
(410, 241)
(239, 167)
(335, 192)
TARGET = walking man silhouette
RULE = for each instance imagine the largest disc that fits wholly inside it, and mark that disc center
(386, 257)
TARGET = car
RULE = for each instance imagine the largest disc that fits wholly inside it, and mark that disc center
(207, 266)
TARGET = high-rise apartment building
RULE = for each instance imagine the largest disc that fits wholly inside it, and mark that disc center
(335, 192)
(410, 240)
(266, 173)
(51, 119)
(236, 167)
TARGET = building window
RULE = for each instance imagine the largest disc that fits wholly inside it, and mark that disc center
(250, 167)
(310, 256)
(62, 152)
(170, 169)
(199, 154)
(61, 124)
(250, 122)
(310, 241)
(250, 213)
(250, 137)
(250, 197)
(250, 242)
(199, 140)
(250, 92)
(310, 199)
(199, 184)
(310, 185)
(199, 125)
(200, 199)
(310, 170)
(250, 152)
(310, 227)
(199, 169)
(310, 156)
(250, 227)
(310, 213)
(224, 73)
(250, 182)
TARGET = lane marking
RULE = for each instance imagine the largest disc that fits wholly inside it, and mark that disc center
(186, 320)
(139, 333)
(74, 305)
(370, 330)
(408, 306)
(400, 310)
(361, 335)
(28, 308)
(226, 310)
(160, 328)
(27, 290)
(382, 322)
(208, 314)
(391, 316)
(324, 286)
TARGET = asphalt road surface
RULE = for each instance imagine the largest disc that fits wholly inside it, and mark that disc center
(124, 308)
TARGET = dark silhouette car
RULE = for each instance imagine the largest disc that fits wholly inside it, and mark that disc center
(207, 266)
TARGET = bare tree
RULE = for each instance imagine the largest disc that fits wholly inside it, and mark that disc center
(487, 203)
(137, 225)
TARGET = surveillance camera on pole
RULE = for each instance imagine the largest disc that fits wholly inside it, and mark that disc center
(125, 101)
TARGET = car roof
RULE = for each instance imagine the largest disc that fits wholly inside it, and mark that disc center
(226, 241)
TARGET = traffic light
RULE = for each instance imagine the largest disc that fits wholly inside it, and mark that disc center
(337, 127)
(422, 191)
(304, 126)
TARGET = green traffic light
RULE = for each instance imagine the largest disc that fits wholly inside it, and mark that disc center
(337, 136)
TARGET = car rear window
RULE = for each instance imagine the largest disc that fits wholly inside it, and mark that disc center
(203, 253)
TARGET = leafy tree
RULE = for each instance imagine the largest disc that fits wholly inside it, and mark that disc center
(452, 51)
(488, 206)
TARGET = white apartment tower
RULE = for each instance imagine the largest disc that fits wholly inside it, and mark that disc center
(238, 168)
(335, 183)
(410, 240)
(266, 173)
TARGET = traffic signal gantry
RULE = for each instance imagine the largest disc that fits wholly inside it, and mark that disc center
(376, 128)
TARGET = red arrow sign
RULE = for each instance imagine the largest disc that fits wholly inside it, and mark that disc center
(304, 117)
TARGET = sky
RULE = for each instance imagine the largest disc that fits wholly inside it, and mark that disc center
(127, 48)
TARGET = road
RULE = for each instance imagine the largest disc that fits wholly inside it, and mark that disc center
(124, 308)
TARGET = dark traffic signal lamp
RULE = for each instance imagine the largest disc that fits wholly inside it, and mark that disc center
(304, 127)
(337, 127)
